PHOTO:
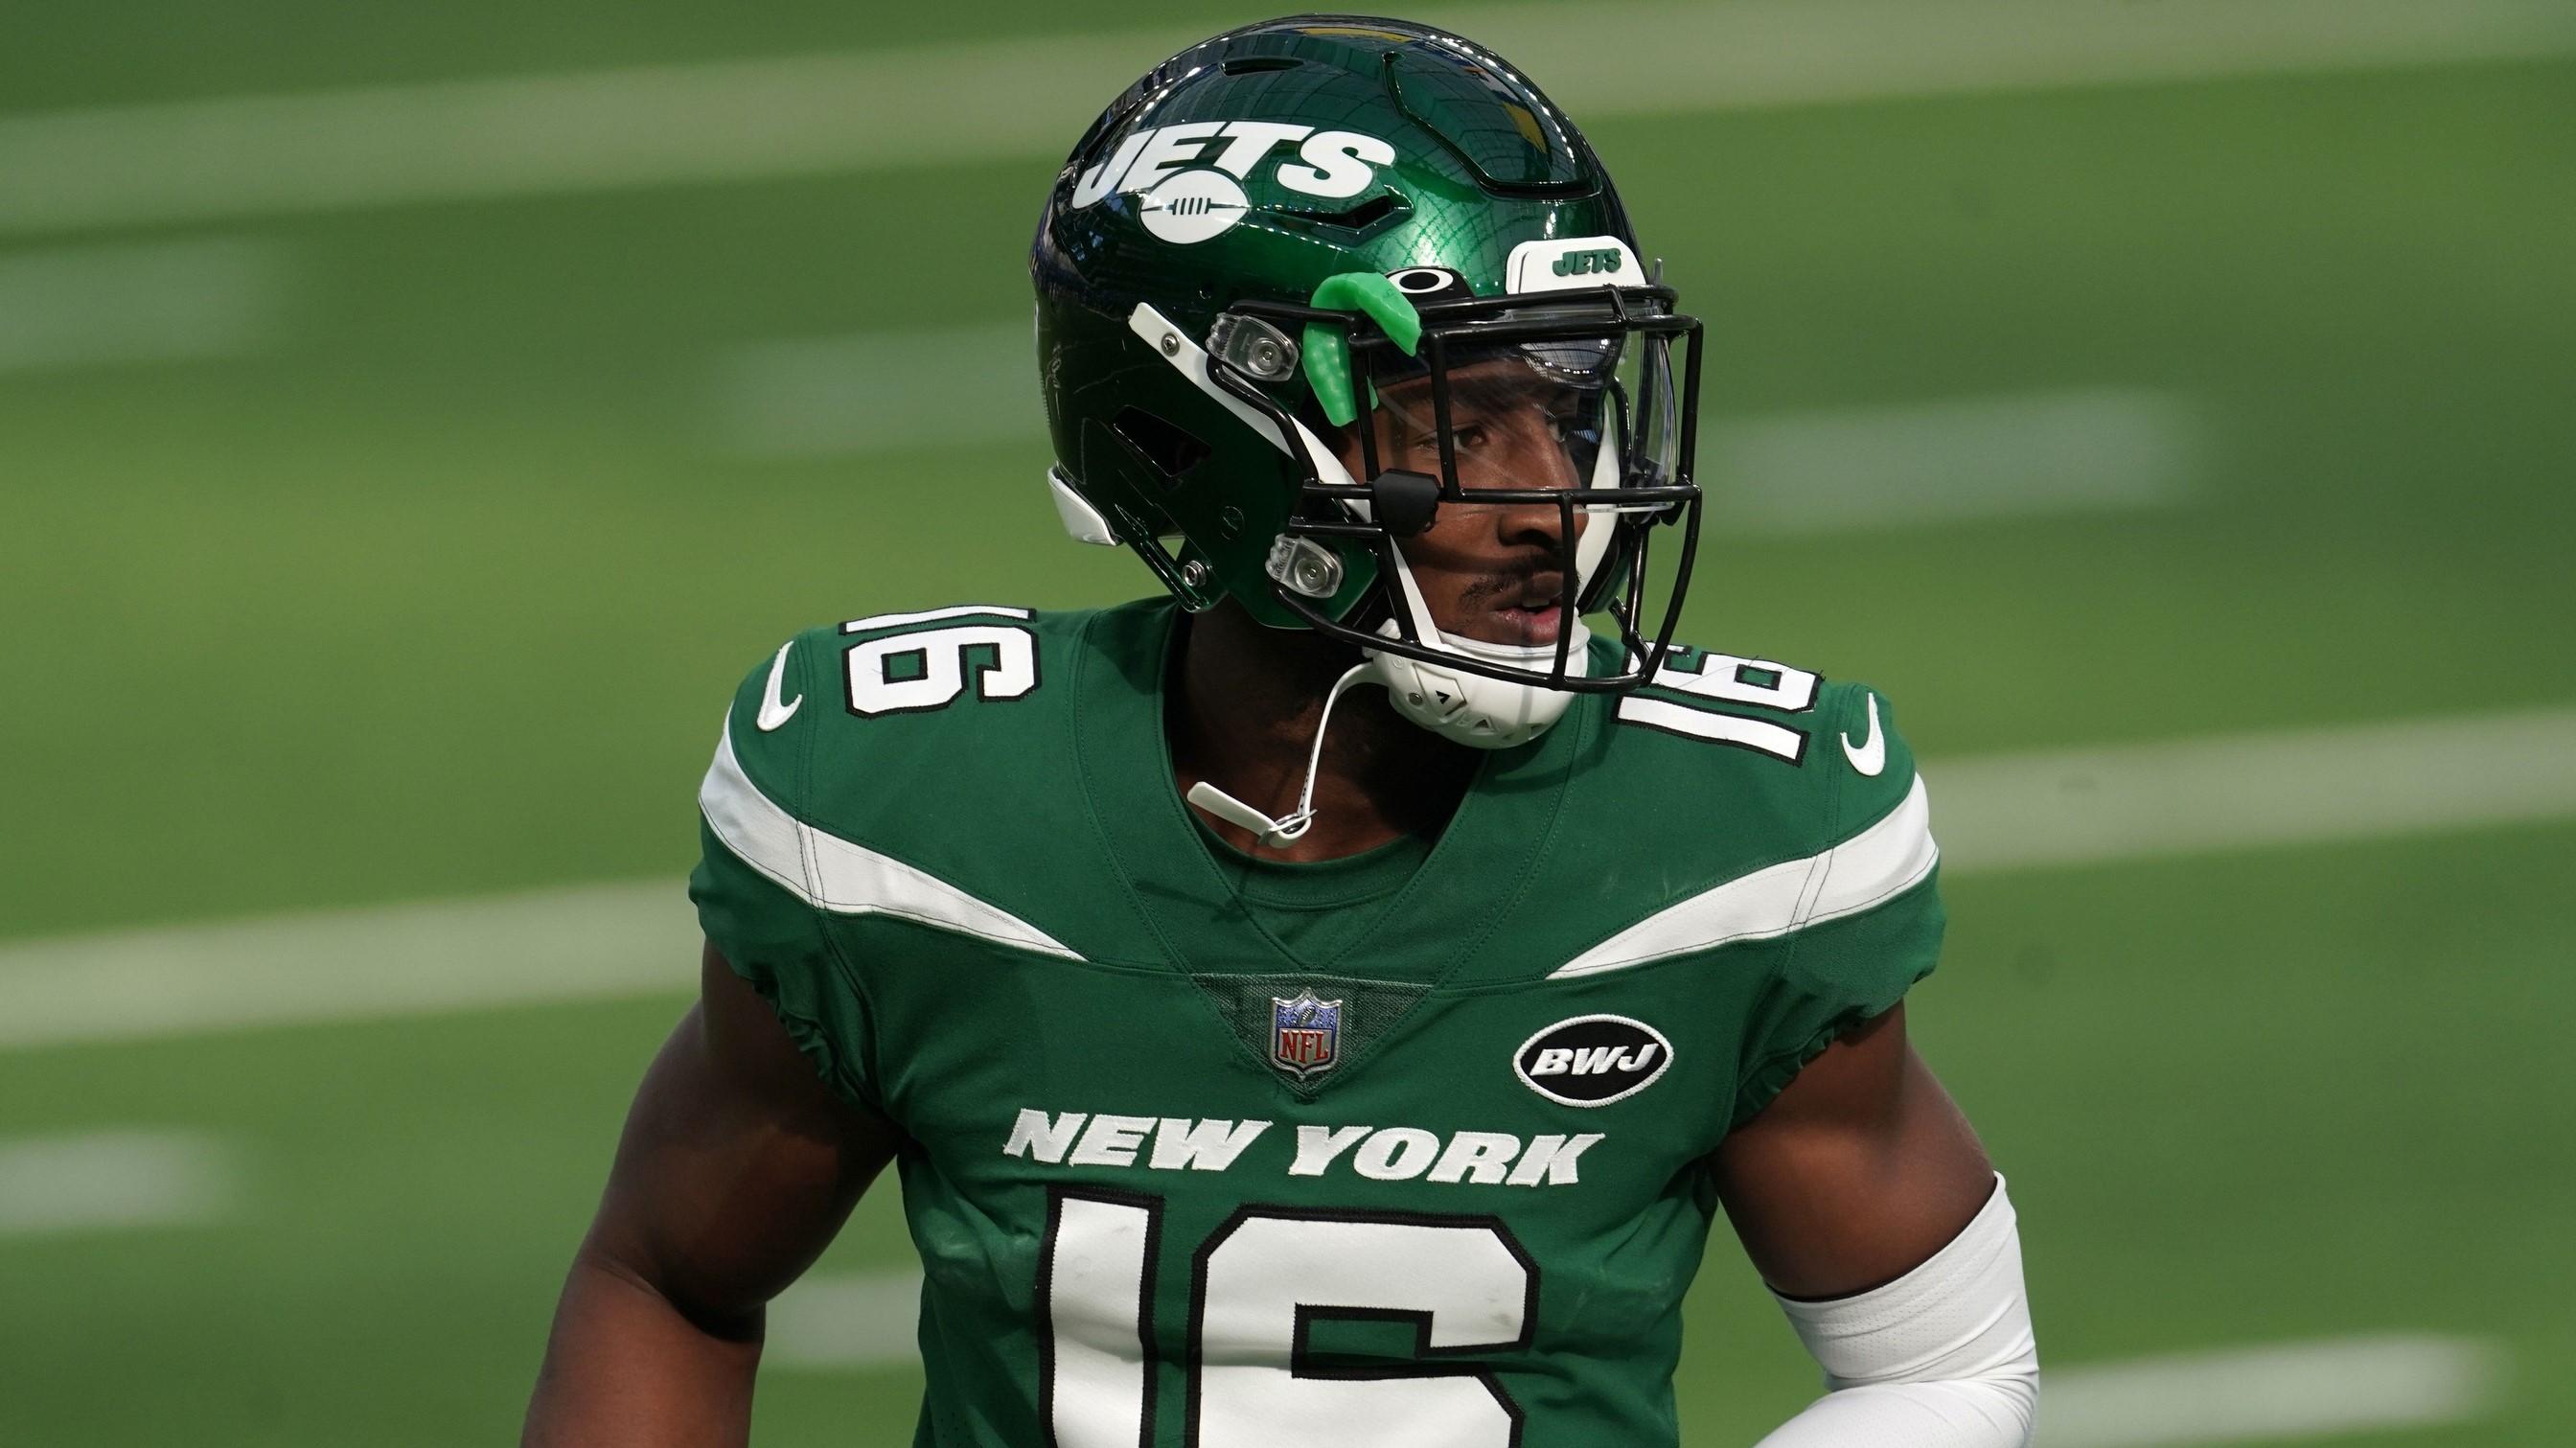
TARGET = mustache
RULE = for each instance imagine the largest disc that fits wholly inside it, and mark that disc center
(1516, 585)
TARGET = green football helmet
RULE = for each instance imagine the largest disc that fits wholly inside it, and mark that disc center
(1276, 234)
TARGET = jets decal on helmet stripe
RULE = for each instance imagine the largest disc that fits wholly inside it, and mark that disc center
(1331, 164)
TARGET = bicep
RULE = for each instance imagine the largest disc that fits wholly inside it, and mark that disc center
(737, 1164)
(1859, 1171)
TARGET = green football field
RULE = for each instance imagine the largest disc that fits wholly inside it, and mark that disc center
(369, 553)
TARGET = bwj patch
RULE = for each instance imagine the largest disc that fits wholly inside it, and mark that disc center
(1305, 1034)
(1593, 1060)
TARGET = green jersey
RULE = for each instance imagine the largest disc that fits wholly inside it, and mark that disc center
(1406, 1151)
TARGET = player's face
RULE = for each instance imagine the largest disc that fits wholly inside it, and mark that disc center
(1491, 572)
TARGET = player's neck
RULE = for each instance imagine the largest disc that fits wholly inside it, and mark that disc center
(1243, 704)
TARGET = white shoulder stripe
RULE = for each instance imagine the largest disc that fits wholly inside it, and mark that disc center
(933, 615)
(834, 874)
(1879, 863)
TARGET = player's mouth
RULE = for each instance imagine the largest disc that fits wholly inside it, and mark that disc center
(1532, 614)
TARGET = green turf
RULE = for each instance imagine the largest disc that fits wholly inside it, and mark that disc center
(444, 596)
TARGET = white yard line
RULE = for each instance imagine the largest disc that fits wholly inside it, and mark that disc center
(2270, 1394)
(112, 1180)
(1993, 814)
(2072, 451)
(139, 302)
(1026, 99)
(2197, 796)
(590, 943)
(2069, 450)
(845, 1320)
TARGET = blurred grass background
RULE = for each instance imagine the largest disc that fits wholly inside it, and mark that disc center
(407, 552)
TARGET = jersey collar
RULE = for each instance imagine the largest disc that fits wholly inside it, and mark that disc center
(1485, 862)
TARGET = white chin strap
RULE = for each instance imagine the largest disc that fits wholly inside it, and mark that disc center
(1281, 831)
(1477, 709)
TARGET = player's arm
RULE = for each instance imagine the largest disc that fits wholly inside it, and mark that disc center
(1867, 1203)
(736, 1168)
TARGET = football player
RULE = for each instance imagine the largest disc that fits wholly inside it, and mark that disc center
(1331, 1001)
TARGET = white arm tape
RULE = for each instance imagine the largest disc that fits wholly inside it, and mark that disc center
(1942, 1357)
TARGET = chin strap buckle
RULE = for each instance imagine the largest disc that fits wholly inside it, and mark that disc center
(1235, 812)
(1296, 822)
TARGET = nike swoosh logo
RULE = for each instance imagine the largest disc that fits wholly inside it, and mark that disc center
(773, 713)
(1870, 755)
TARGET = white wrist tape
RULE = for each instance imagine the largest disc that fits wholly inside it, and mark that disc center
(1943, 1357)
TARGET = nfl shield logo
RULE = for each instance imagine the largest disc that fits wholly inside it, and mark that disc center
(1305, 1034)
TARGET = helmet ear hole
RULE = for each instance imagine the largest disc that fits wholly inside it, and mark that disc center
(1359, 217)
(1113, 473)
(1165, 447)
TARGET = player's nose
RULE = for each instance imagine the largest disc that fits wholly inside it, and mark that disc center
(1536, 463)
(1521, 525)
